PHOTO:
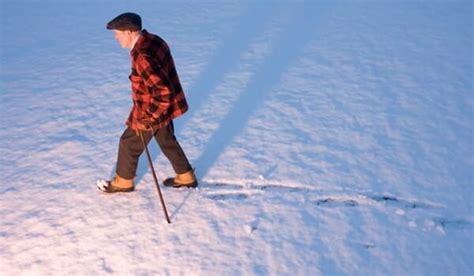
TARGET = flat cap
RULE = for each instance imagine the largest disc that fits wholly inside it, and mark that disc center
(128, 21)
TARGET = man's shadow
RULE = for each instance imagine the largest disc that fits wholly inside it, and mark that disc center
(227, 57)
(287, 50)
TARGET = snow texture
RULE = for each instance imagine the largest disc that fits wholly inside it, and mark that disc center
(328, 137)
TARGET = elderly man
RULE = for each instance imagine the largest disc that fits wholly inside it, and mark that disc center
(157, 97)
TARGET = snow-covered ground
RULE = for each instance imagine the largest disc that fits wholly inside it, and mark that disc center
(328, 137)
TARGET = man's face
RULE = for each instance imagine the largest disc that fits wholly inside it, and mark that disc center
(124, 38)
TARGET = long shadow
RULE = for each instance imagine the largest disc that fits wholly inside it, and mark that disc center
(305, 19)
(250, 24)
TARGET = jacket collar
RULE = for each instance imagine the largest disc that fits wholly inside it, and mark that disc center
(139, 40)
(135, 41)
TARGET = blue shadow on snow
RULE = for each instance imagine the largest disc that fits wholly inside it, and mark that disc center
(287, 49)
(228, 55)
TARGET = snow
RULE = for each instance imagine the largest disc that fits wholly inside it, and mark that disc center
(328, 137)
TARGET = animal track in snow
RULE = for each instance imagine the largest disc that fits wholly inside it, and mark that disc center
(246, 189)
(391, 200)
(453, 223)
(225, 196)
(367, 199)
(334, 202)
(226, 190)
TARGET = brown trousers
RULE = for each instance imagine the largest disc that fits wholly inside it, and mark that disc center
(131, 147)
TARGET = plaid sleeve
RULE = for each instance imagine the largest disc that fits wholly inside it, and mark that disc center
(158, 84)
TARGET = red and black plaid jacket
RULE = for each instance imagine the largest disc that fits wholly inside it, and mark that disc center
(156, 90)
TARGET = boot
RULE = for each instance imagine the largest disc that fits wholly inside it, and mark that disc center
(187, 179)
(116, 185)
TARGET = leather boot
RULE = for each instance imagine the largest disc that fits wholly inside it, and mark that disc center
(116, 185)
(187, 179)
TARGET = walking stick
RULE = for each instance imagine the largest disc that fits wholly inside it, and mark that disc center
(154, 177)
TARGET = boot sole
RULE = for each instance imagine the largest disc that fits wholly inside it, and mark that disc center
(116, 190)
(112, 189)
(179, 185)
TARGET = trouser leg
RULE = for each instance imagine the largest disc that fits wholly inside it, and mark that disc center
(130, 149)
(172, 149)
